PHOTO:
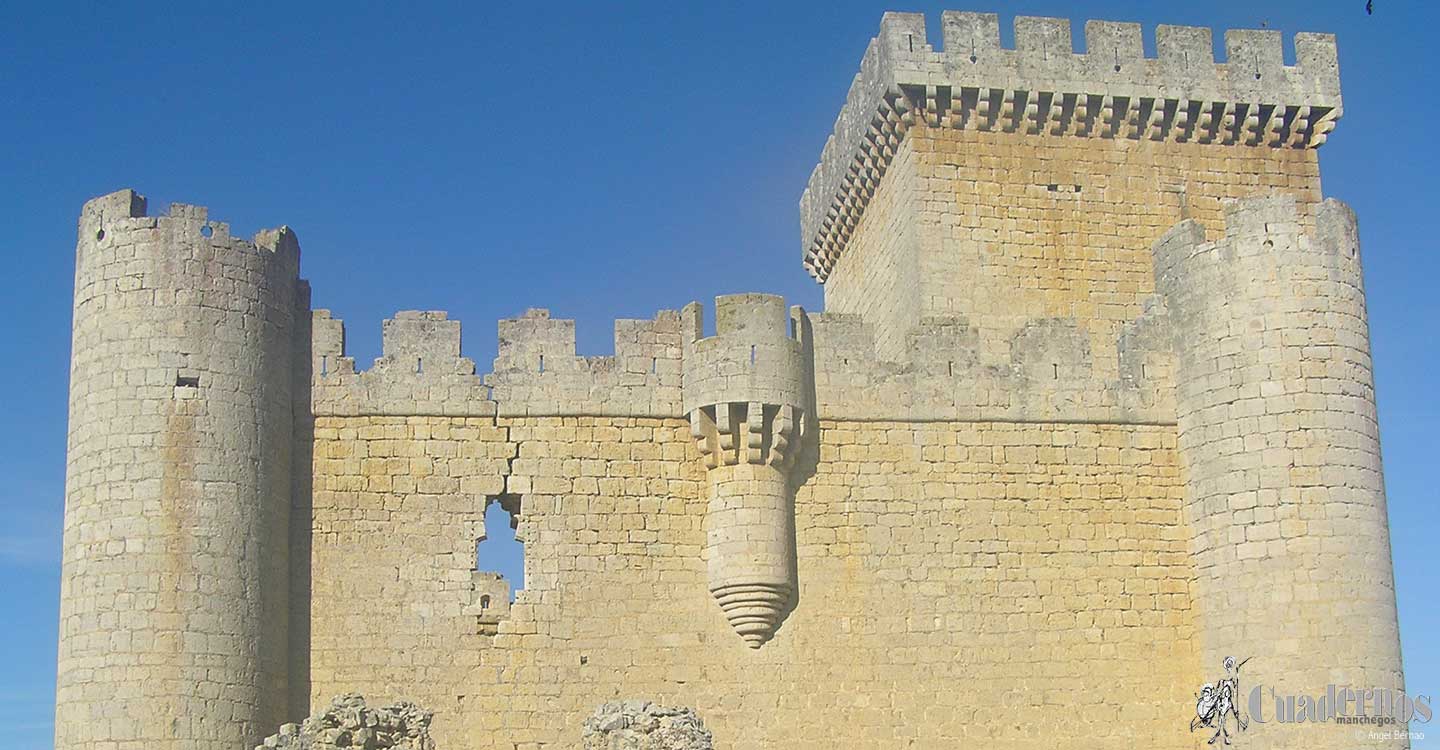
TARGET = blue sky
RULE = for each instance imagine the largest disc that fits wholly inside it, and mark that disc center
(603, 162)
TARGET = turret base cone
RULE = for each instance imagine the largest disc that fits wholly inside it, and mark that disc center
(753, 609)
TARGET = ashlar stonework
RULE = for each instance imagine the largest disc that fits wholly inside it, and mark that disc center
(1089, 410)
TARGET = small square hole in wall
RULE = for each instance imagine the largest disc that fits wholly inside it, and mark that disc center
(187, 385)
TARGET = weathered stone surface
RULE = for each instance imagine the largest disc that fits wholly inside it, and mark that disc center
(349, 723)
(642, 725)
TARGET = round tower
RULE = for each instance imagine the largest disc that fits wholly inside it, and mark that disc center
(173, 592)
(745, 393)
(1279, 442)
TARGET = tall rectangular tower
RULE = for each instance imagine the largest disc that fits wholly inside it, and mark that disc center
(1007, 185)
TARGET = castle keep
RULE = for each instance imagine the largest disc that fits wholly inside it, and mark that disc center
(1089, 409)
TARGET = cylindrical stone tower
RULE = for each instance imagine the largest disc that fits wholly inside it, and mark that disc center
(173, 595)
(1279, 442)
(746, 396)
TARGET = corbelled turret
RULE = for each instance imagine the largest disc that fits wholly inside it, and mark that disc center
(745, 396)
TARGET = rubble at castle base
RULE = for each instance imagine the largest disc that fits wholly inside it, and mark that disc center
(349, 723)
(642, 725)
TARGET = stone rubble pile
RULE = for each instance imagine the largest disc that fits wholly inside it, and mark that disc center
(349, 723)
(642, 725)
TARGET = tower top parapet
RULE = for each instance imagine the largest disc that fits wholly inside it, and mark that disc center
(756, 355)
(1044, 87)
(106, 219)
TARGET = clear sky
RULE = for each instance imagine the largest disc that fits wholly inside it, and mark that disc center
(482, 158)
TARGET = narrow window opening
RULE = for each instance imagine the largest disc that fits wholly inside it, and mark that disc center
(1144, 370)
(949, 368)
(500, 551)
(653, 364)
(542, 363)
(489, 393)
(752, 354)
(419, 365)
(485, 601)
(324, 364)
(187, 381)
(910, 41)
(1056, 370)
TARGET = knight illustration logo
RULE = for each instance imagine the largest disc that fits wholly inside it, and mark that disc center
(1219, 702)
(1376, 712)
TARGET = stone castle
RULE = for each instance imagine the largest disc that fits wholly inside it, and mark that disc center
(1090, 408)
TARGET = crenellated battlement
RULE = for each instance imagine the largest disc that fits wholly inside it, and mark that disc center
(763, 352)
(1043, 87)
(415, 340)
(420, 370)
(538, 373)
(1268, 230)
(121, 219)
(1051, 373)
(536, 369)
(756, 355)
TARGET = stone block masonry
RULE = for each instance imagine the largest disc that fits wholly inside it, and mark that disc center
(1089, 409)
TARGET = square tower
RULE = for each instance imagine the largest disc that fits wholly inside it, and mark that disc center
(1003, 186)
